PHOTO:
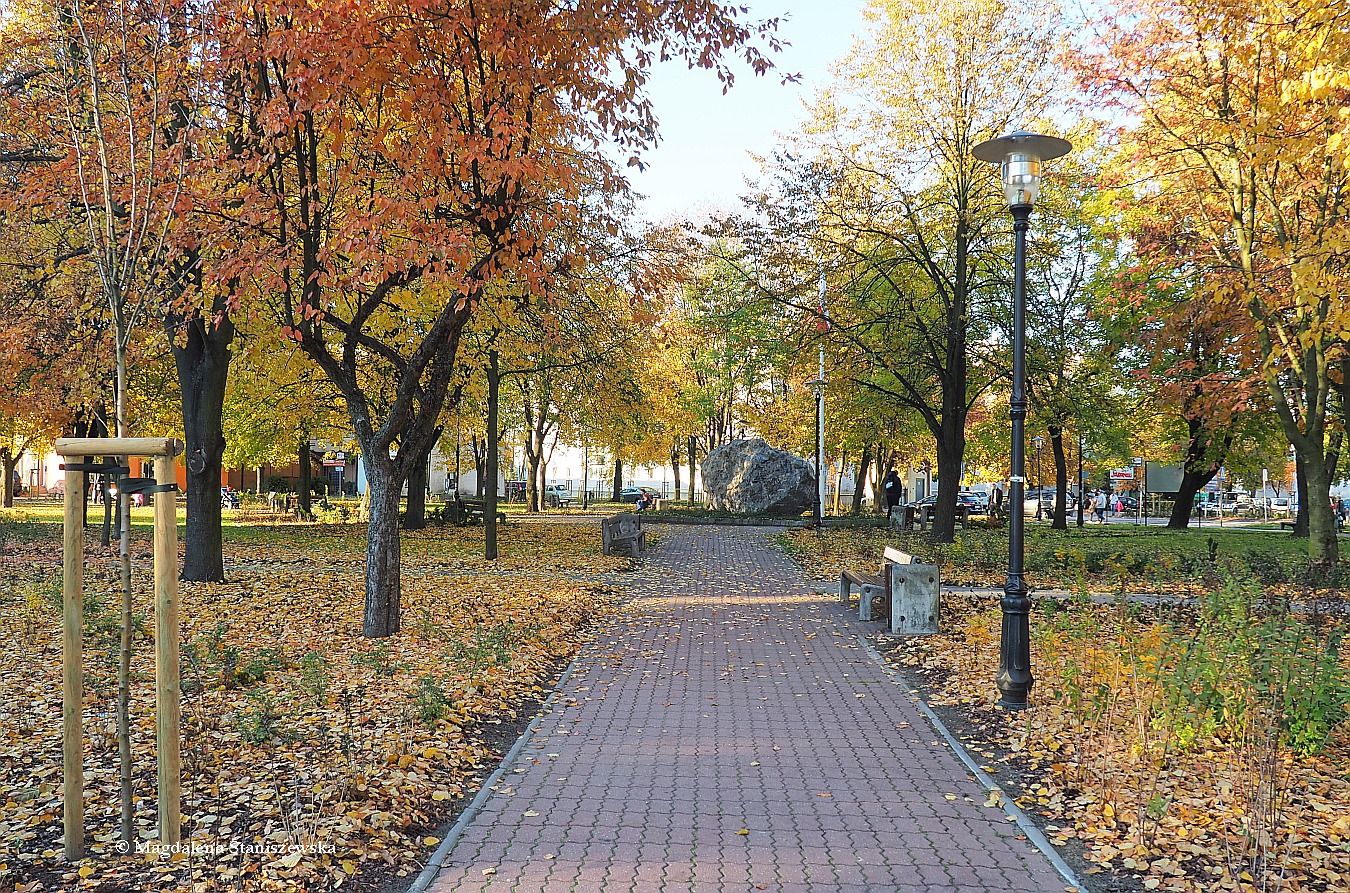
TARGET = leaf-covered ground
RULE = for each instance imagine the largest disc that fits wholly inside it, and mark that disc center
(1188, 748)
(1113, 759)
(313, 759)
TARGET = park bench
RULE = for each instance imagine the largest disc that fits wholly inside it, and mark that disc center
(623, 532)
(1287, 524)
(903, 591)
(475, 510)
(920, 516)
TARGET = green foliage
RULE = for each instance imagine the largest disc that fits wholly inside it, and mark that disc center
(1243, 666)
(259, 722)
(379, 659)
(314, 676)
(431, 701)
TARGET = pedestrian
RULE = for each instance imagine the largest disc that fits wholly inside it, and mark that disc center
(1100, 505)
(998, 498)
(1120, 506)
(892, 489)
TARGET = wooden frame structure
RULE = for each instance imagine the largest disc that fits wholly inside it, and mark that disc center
(167, 690)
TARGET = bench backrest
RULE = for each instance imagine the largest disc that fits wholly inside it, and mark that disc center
(895, 556)
(622, 526)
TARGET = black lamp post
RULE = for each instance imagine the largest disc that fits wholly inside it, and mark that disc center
(818, 388)
(1019, 155)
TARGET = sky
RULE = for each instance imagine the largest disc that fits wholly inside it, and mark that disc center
(707, 138)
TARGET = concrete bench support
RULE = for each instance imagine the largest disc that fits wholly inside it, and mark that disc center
(915, 599)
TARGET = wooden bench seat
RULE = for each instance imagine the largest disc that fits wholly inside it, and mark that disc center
(872, 585)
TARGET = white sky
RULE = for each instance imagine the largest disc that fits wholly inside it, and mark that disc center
(707, 138)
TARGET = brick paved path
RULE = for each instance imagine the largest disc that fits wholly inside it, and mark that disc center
(730, 698)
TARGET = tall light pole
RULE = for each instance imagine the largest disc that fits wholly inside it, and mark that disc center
(1019, 155)
(818, 386)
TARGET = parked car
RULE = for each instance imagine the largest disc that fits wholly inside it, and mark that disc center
(979, 497)
(1045, 499)
(631, 494)
(966, 498)
(557, 495)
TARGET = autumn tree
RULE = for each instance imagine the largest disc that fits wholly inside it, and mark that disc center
(910, 225)
(1240, 131)
(404, 159)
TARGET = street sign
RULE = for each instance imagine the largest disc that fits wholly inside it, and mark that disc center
(1122, 474)
(1137, 461)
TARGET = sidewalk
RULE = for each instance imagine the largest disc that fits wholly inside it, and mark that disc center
(726, 732)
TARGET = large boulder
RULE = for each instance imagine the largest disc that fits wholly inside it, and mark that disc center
(753, 478)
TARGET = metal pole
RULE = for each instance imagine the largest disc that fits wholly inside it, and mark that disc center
(820, 441)
(1014, 670)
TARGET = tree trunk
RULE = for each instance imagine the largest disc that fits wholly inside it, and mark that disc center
(533, 490)
(1198, 468)
(479, 450)
(860, 479)
(618, 477)
(1323, 547)
(675, 465)
(693, 465)
(10, 461)
(383, 566)
(415, 515)
(1060, 521)
(1192, 482)
(203, 363)
(951, 448)
(306, 460)
(491, 462)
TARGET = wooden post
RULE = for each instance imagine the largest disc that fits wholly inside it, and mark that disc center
(167, 689)
(72, 664)
(73, 450)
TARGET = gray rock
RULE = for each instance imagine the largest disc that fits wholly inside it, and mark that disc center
(751, 477)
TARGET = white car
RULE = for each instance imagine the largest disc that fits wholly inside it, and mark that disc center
(557, 495)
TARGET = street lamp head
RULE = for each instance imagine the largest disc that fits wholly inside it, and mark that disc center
(1020, 155)
(817, 386)
(1037, 441)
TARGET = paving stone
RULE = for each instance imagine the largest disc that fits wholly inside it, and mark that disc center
(725, 658)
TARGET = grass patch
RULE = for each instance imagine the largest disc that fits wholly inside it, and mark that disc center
(1135, 558)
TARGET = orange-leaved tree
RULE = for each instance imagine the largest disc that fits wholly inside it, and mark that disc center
(402, 158)
(1241, 132)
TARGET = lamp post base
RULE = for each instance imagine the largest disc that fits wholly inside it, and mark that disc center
(1014, 677)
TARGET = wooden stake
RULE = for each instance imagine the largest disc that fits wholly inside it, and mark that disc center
(116, 446)
(167, 689)
(72, 664)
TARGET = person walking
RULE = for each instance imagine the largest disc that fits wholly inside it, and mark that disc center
(892, 488)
